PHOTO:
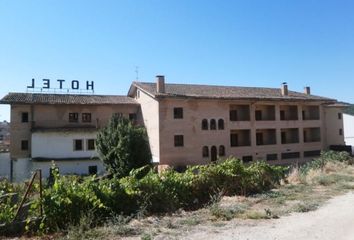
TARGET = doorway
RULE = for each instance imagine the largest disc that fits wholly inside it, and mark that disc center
(213, 153)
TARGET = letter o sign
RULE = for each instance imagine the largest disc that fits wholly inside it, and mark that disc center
(75, 84)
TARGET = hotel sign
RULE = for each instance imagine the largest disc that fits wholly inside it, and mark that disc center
(62, 84)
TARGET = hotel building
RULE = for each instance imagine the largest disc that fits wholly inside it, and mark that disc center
(186, 124)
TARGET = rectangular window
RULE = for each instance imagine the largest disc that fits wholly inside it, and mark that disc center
(179, 141)
(234, 139)
(340, 132)
(233, 115)
(78, 146)
(24, 117)
(282, 115)
(258, 115)
(314, 153)
(24, 145)
(92, 170)
(272, 157)
(86, 117)
(73, 117)
(290, 155)
(339, 115)
(247, 158)
(91, 144)
(178, 113)
(259, 138)
(132, 117)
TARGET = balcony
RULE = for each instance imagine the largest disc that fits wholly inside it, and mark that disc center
(266, 137)
(239, 113)
(312, 135)
(289, 135)
(240, 138)
(310, 113)
(265, 113)
(289, 113)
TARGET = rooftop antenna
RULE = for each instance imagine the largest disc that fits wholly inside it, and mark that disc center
(137, 73)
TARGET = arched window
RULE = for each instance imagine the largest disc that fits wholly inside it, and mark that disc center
(205, 151)
(221, 124)
(212, 124)
(221, 150)
(204, 124)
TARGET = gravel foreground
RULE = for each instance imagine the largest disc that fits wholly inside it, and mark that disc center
(334, 220)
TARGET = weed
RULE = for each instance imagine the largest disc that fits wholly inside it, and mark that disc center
(306, 207)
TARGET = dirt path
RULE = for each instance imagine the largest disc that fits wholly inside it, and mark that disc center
(334, 220)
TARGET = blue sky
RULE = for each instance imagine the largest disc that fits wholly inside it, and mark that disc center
(242, 43)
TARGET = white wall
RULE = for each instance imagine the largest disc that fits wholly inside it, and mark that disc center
(5, 165)
(349, 129)
(60, 145)
(70, 167)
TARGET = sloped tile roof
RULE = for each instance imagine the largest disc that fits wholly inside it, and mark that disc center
(42, 98)
(224, 92)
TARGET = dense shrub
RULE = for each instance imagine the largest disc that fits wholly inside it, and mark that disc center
(123, 146)
(70, 198)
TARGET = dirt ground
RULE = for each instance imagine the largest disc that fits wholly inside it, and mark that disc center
(334, 220)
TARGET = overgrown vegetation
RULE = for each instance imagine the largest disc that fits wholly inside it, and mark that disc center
(90, 208)
(123, 146)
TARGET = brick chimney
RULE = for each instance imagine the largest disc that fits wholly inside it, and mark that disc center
(307, 90)
(160, 84)
(284, 89)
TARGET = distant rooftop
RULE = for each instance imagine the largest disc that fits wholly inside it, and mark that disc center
(42, 98)
(224, 92)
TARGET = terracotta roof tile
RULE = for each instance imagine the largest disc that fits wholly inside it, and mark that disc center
(225, 92)
(42, 98)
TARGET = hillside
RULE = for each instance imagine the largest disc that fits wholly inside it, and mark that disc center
(350, 110)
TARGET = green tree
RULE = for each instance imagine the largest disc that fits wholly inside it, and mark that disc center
(123, 146)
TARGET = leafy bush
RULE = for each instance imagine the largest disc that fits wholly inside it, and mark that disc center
(9, 194)
(69, 199)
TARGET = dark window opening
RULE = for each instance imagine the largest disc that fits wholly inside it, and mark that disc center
(234, 139)
(247, 158)
(221, 150)
(339, 115)
(132, 117)
(213, 153)
(212, 124)
(178, 113)
(314, 153)
(91, 143)
(78, 146)
(86, 117)
(24, 145)
(290, 155)
(282, 115)
(221, 124)
(205, 151)
(204, 124)
(73, 117)
(340, 132)
(179, 141)
(92, 170)
(24, 117)
(259, 138)
(272, 157)
(233, 115)
(258, 114)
